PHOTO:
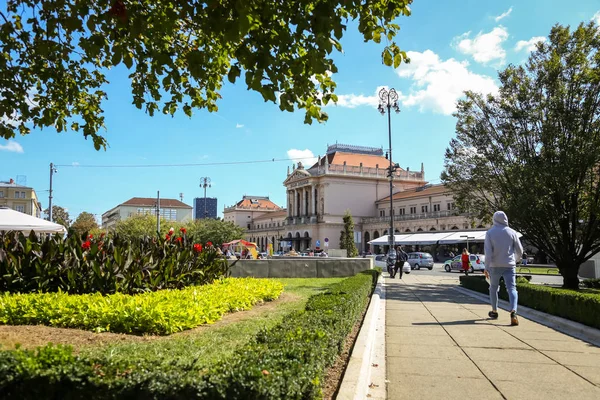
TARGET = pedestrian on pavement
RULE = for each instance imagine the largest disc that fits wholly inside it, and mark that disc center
(401, 258)
(524, 260)
(502, 250)
(465, 261)
(392, 257)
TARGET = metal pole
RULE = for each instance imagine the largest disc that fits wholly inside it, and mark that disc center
(52, 170)
(205, 200)
(391, 237)
(158, 212)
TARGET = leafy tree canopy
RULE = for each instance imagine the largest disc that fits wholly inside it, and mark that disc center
(54, 55)
(532, 150)
(59, 215)
(84, 223)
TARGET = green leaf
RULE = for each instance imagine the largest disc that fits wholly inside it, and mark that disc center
(234, 73)
(387, 57)
(128, 60)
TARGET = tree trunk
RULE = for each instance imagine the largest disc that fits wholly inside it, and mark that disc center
(570, 276)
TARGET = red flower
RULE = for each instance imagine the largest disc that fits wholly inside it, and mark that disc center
(183, 231)
(86, 245)
(178, 240)
(209, 244)
(90, 236)
(168, 237)
(197, 247)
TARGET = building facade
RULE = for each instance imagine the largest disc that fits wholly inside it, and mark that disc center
(20, 198)
(170, 210)
(353, 178)
(201, 211)
(244, 211)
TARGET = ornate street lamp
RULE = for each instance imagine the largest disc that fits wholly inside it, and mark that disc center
(388, 100)
(205, 183)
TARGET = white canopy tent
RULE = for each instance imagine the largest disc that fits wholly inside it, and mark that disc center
(383, 240)
(424, 238)
(11, 220)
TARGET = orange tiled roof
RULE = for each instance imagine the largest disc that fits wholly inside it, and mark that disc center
(258, 203)
(367, 160)
(151, 202)
(413, 193)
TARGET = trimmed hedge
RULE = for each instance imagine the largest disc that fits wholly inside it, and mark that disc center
(288, 361)
(577, 306)
(163, 312)
(592, 283)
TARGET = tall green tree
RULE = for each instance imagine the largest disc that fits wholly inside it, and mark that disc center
(59, 215)
(347, 236)
(84, 223)
(54, 55)
(533, 149)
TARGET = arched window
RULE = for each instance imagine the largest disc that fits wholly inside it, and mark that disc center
(480, 226)
(420, 230)
(367, 237)
(407, 230)
(432, 229)
(454, 228)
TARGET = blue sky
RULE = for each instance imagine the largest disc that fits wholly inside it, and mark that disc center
(454, 45)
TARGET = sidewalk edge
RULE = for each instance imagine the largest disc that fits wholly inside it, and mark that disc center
(571, 328)
(357, 377)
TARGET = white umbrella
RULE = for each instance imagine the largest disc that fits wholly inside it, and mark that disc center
(11, 220)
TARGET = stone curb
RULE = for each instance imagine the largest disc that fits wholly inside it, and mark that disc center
(571, 328)
(358, 375)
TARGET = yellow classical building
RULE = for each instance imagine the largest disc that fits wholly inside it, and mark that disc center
(20, 198)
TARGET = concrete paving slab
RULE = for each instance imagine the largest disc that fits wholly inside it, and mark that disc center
(570, 345)
(493, 339)
(423, 351)
(439, 387)
(510, 355)
(590, 373)
(498, 371)
(569, 358)
(546, 390)
(546, 335)
(448, 368)
(430, 340)
(417, 331)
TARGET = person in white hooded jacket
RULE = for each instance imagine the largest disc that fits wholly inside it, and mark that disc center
(502, 250)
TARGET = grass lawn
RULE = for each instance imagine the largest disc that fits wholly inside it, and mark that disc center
(537, 271)
(195, 348)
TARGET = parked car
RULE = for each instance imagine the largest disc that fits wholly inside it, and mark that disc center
(381, 261)
(476, 263)
(419, 259)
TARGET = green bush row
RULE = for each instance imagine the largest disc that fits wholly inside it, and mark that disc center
(592, 283)
(570, 304)
(288, 361)
(105, 264)
(163, 312)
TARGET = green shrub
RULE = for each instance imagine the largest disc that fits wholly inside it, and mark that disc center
(163, 312)
(104, 264)
(287, 361)
(570, 304)
(592, 283)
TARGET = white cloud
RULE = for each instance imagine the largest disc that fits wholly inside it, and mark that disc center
(305, 156)
(596, 18)
(75, 164)
(12, 146)
(503, 15)
(529, 45)
(437, 84)
(485, 47)
(238, 126)
(357, 100)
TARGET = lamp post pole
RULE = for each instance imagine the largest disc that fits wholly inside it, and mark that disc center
(205, 183)
(467, 237)
(388, 99)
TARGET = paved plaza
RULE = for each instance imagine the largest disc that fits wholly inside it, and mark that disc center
(439, 344)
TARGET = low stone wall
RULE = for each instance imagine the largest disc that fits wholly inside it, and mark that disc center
(300, 267)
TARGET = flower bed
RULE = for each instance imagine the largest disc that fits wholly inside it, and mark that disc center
(287, 361)
(163, 312)
(105, 265)
(577, 306)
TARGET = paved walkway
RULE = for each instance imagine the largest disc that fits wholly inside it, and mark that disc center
(440, 345)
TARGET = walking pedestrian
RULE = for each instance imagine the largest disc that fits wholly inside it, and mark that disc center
(402, 257)
(465, 261)
(502, 250)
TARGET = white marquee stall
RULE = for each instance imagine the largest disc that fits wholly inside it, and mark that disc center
(11, 220)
